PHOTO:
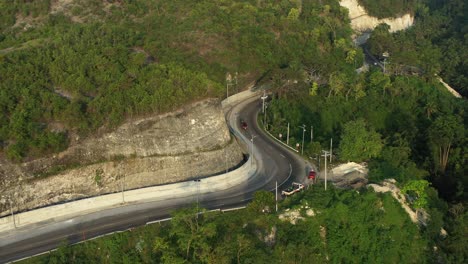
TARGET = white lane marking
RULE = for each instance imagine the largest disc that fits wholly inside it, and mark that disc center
(282, 156)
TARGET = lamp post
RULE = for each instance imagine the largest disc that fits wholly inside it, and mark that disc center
(385, 55)
(311, 134)
(303, 134)
(226, 160)
(228, 81)
(325, 154)
(197, 181)
(276, 196)
(123, 190)
(251, 149)
(11, 209)
(264, 97)
(318, 161)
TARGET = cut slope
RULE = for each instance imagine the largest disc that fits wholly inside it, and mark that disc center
(190, 142)
(361, 21)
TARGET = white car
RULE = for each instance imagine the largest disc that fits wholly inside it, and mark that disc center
(295, 187)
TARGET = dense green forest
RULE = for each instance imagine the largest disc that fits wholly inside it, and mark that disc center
(403, 126)
(96, 63)
(337, 226)
(436, 44)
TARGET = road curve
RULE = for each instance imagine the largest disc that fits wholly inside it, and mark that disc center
(274, 162)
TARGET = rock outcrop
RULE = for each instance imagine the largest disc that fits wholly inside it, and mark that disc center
(362, 22)
(178, 146)
(418, 217)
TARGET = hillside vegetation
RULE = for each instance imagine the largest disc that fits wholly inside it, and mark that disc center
(86, 64)
(312, 227)
(436, 44)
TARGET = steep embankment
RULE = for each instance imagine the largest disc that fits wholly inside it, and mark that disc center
(162, 149)
(361, 21)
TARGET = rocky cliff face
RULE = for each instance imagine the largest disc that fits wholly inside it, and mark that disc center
(177, 146)
(362, 22)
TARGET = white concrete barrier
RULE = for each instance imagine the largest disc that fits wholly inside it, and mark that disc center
(68, 210)
(60, 212)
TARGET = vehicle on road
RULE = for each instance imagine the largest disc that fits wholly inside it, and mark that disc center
(294, 188)
(243, 124)
(312, 175)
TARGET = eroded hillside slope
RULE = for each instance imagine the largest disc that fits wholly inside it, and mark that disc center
(361, 21)
(177, 146)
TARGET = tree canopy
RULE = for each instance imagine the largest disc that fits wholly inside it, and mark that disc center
(90, 64)
(359, 142)
(346, 226)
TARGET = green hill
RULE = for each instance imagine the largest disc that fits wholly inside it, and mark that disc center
(75, 67)
(70, 67)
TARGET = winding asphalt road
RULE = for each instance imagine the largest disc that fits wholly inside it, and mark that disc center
(274, 163)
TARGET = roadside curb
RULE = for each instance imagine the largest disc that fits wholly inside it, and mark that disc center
(61, 212)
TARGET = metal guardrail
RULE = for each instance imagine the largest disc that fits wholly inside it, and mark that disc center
(233, 209)
(159, 221)
(284, 144)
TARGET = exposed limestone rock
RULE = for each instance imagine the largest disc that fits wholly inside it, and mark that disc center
(270, 239)
(178, 146)
(292, 216)
(362, 22)
(200, 127)
(450, 89)
(310, 212)
(419, 216)
(350, 175)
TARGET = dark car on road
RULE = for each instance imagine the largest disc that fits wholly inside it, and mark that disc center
(243, 124)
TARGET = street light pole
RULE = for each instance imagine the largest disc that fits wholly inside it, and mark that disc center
(11, 210)
(123, 189)
(385, 55)
(276, 196)
(325, 153)
(264, 97)
(317, 159)
(251, 150)
(236, 82)
(228, 80)
(287, 138)
(198, 192)
(226, 160)
(13, 214)
(311, 133)
(303, 134)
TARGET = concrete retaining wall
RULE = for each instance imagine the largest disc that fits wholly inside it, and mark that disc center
(60, 212)
(157, 193)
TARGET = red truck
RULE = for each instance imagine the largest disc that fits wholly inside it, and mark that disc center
(312, 175)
